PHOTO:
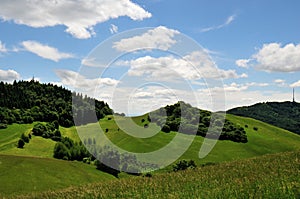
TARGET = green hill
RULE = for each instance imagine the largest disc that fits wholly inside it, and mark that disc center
(20, 174)
(267, 139)
(269, 176)
(285, 115)
(26, 101)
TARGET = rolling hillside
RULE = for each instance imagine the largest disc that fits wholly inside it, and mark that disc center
(23, 174)
(285, 115)
(269, 176)
(30, 169)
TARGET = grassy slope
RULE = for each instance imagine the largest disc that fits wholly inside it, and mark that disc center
(33, 168)
(268, 139)
(30, 174)
(269, 176)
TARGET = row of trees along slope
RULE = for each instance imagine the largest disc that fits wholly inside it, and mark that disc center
(182, 117)
(285, 115)
(29, 101)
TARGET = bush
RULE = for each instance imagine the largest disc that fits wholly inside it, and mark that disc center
(39, 129)
(3, 126)
(255, 128)
(166, 129)
(184, 164)
(246, 126)
(25, 138)
(61, 151)
(21, 143)
(143, 120)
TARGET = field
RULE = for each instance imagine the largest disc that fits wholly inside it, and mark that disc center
(267, 139)
(269, 176)
(32, 170)
(31, 174)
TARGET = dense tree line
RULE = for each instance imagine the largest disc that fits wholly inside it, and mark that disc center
(186, 119)
(285, 115)
(29, 101)
(120, 162)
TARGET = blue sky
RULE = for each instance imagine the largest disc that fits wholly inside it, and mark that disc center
(255, 45)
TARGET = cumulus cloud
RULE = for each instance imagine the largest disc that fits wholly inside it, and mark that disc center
(79, 16)
(275, 57)
(242, 62)
(159, 38)
(78, 81)
(113, 29)
(193, 66)
(45, 51)
(228, 21)
(2, 47)
(295, 84)
(9, 75)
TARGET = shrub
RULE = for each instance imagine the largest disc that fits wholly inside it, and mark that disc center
(255, 128)
(148, 175)
(3, 126)
(143, 120)
(246, 126)
(184, 164)
(39, 129)
(21, 143)
(166, 129)
(25, 138)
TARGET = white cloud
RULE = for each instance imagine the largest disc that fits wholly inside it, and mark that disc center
(78, 81)
(9, 75)
(113, 29)
(275, 57)
(242, 62)
(279, 81)
(228, 21)
(2, 47)
(79, 16)
(244, 75)
(235, 87)
(193, 66)
(159, 38)
(45, 51)
(295, 84)
(91, 62)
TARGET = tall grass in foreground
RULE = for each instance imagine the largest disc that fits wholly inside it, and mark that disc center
(269, 176)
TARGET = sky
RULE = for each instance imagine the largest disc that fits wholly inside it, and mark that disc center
(139, 55)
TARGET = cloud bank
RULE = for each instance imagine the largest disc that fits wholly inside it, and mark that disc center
(79, 16)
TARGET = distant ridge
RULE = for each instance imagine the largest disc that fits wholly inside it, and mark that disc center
(285, 115)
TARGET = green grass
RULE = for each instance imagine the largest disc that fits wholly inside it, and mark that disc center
(37, 146)
(20, 175)
(269, 176)
(10, 136)
(27, 174)
(268, 139)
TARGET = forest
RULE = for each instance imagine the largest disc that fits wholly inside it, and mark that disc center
(285, 115)
(182, 117)
(33, 101)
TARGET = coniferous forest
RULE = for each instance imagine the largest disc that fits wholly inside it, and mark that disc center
(29, 101)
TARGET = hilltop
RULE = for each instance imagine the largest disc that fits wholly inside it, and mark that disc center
(285, 115)
(24, 102)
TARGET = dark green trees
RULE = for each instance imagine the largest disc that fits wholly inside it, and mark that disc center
(21, 143)
(33, 101)
(186, 119)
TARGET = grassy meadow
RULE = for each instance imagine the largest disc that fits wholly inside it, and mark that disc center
(268, 176)
(33, 169)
